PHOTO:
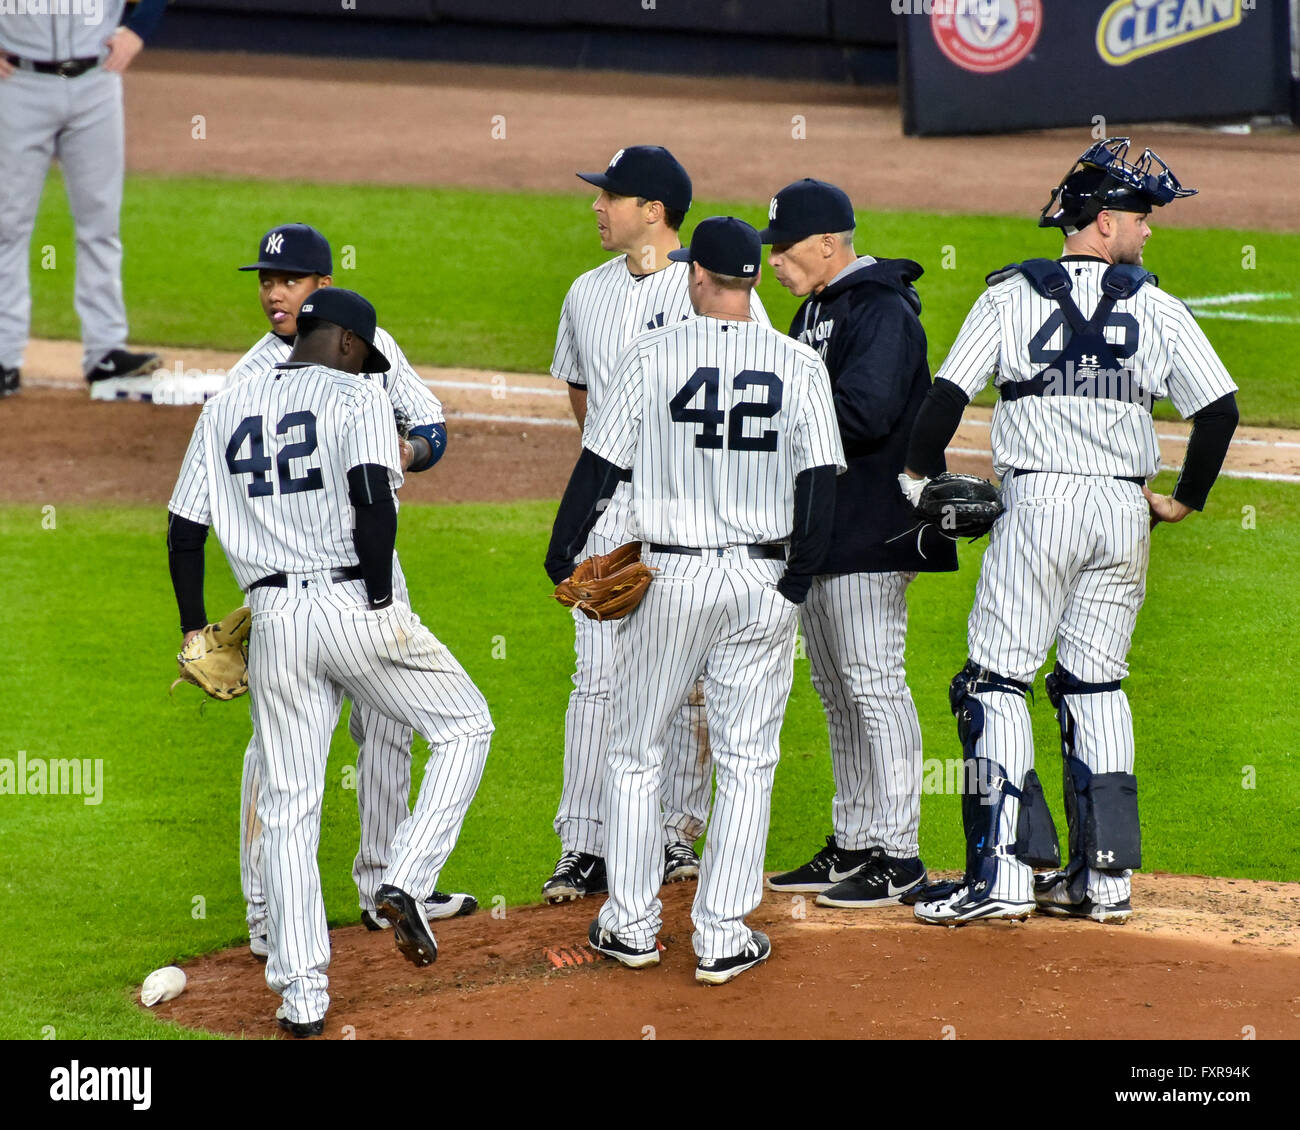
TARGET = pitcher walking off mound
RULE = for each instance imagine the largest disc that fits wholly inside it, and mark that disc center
(728, 430)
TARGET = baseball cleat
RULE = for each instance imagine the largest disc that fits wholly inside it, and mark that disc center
(258, 947)
(718, 971)
(1052, 896)
(832, 865)
(122, 363)
(10, 381)
(962, 907)
(457, 905)
(607, 943)
(436, 906)
(576, 875)
(680, 862)
(883, 881)
(300, 1028)
(406, 917)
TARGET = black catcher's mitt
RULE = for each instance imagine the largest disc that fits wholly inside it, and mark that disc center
(961, 506)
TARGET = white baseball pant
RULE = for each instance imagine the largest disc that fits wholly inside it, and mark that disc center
(311, 642)
(720, 618)
(855, 628)
(1066, 563)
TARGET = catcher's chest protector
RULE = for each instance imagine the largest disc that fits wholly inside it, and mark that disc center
(1088, 365)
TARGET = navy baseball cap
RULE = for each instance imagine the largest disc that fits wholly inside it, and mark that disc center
(295, 249)
(725, 245)
(807, 207)
(645, 170)
(348, 309)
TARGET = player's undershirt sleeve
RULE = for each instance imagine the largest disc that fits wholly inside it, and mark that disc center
(936, 423)
(375, 532)
(974, 355)
(185, 563)
(1212, 429)
(590, 486)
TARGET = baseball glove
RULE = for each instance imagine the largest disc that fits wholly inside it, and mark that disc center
(217, 658)
(961, 506)
(608, 586)
(403, 422)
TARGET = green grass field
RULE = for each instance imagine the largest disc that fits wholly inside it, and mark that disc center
(94, 896)
(477, 278)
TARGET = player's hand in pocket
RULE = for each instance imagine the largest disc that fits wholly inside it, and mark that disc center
(1164, 507)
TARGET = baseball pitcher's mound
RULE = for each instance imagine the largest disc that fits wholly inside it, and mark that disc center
(1200, 958)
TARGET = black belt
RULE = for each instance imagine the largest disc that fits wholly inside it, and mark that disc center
(64, 68)
(1122, 478)
(280, 581)
(767, 549)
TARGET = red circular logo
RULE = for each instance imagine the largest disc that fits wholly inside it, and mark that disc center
(985, 36)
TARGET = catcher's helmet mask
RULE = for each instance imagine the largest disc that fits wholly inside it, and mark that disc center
(1103, 178)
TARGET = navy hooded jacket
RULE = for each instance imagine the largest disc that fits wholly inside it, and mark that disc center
(867, 328)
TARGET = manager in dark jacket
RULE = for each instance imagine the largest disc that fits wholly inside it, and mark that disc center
(862, 315)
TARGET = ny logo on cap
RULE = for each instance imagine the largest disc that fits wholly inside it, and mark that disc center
(771, 210)
(614, 160)
(275, 243)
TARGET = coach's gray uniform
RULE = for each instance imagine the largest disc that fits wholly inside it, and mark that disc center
(383, 743)
(79, 121)
(605, 309)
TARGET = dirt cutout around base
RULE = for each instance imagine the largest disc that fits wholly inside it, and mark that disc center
(1200, 959)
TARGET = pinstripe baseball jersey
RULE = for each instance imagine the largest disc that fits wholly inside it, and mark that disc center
(607, 307)
(1012, 332)
(715, 419)
(402, 383)
(267, 467)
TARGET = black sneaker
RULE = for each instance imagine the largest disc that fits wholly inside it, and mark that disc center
(411, 930)
(9, 381)
(603, 941)
(576, 876)
(680, 862)
(122, 363)
(883, 881)
(833, 864)
(718, 971)
(455, 905)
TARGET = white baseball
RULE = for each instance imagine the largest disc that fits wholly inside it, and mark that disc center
(163, 984)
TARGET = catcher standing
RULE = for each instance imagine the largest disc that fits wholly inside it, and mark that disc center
(293, 261)
(728, 431)
(644, 196)
(296, 469)
(861, 314)
(1079, 348)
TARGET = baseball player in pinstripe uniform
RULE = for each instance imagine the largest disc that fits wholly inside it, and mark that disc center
(296, 469)
(1079, 348)
(728, 431)
(61, 96)
(861, 314)
(293, 261)
(644, 195)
